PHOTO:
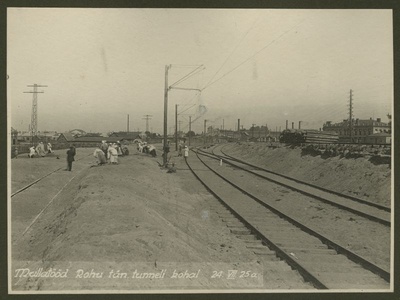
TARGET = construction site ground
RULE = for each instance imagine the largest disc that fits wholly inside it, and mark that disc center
(135, 216)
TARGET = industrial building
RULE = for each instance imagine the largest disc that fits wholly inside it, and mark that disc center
(361, 131)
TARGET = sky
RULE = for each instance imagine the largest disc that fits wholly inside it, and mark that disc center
(262, 66)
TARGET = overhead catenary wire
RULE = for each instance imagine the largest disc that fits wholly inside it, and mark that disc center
(233, 51)
(184, 66)
(192, 73)
(249, 58)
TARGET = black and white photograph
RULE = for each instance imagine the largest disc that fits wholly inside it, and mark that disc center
(199, 150)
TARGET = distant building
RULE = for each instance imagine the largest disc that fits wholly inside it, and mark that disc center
(360, 132)
(14, 136)
(65, 138)
(379, 139)
(128, 136)
(27, 138)
(93, 141)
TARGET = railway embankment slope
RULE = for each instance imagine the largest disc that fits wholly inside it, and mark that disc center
(361, 177)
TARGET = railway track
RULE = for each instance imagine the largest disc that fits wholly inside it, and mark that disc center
(30, 202)
(41, 178)
(321, 261)
(369, 210)
(352, 198)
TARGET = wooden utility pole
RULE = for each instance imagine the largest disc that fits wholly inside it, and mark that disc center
(351, 116)
(205, 126)
(127, 124)
(190, 128)
(176, 127)
(165, 113)
(166, 89)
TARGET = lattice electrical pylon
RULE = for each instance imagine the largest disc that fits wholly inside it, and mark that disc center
(34, 109)
(147, 118)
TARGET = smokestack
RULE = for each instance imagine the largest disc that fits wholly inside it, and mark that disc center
(287, 122)
(239, 125)
(127, 124)
(292, 125)
(299, 124)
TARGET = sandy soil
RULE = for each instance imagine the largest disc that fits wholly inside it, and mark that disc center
(134, 216)
(357, 177)
(137, 217)
(368, 239)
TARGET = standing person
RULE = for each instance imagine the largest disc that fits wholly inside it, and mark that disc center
(74, 149)
(180, 150)
(49, 148)
(113, 154)
(31, 152)
(70, 157)
(104, 147)
(119, 149)
(40, 149)
(109, 153)
(186, 152)
(16, 152)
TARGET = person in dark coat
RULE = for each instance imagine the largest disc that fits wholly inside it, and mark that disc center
(70, 157)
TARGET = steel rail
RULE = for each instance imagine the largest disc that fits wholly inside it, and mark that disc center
(366, 202)
(331, 244)
(39, 179)
(344, 207)
(279, 252)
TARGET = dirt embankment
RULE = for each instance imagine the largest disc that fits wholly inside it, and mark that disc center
(127, 214)
(353, 176)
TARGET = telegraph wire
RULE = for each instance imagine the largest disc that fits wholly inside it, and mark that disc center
(262, 49)
(229, 56)
(195, 71)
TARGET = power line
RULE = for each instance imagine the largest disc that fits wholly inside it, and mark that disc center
(184, 66)
(262, 49)
(233, 51)
(195, 71)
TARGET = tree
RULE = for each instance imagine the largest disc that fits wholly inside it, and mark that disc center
(191, 133)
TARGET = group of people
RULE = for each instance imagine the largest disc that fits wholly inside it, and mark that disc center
(183, 150)
(143, 147)
(109, 152)
(40, 150)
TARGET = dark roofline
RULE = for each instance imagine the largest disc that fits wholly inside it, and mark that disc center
(97, 139)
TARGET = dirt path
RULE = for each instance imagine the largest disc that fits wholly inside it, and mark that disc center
(131, 216)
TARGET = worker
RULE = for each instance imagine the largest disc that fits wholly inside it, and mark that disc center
(31, 152)
(186, 150)
(70, 157)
